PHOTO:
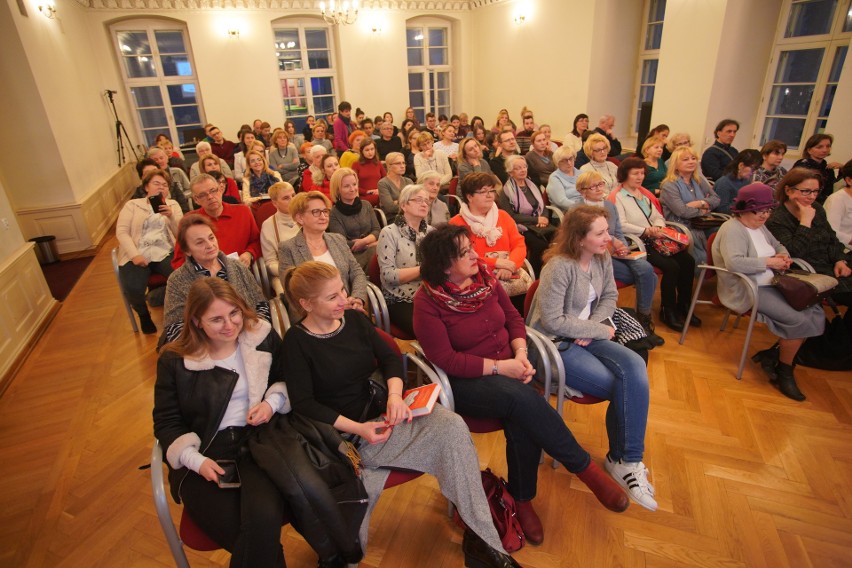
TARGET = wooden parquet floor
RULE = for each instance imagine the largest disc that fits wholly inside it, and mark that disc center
(744, 476)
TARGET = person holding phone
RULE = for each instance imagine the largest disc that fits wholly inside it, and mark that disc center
(145, 230)
(574, 306)
(216, 384)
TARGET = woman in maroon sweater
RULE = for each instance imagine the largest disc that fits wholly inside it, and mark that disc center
(467, 326)
(370, 170)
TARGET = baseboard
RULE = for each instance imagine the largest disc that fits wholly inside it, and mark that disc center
(9, 375)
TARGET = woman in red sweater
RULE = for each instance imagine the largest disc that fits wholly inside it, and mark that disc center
(370, 170)
(468, 327)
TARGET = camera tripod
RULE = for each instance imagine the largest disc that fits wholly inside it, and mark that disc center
(119, 131)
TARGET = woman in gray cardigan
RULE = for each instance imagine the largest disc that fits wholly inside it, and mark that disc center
(353, 217)
(574, 306)
(745, 245)
(311, 210)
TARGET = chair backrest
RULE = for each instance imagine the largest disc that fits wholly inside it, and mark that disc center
(454, 184)
(263, 212)
(710, 240)
(528, 299)
(373, 272)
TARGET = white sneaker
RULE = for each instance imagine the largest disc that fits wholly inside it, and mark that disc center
(633, 477)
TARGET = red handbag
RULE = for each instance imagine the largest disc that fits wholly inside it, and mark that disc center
(503, 511)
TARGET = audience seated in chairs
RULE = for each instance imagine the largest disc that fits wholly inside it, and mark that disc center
(393, 183)
(576, 296)
(353, 217)
(439, 213)
(329, 358)
(838, 208)
(640, 218)
(147, 165)
(574, 139)
(178, 175)
(525, 203)
(652, 153)
(770, 170)
(279, 227)
(198, 237)
(236, 229)
(597, 148)
(738, 174)
(370, 171)
(351, 154)
(817, 149)
(430, 159)
(398, 255)
(388, 141)
(685, 195)
(247, 142)
(639, 271)
(493, 234)
(146, 240)
(470, 158)
(721, 153)
(743, 244)
(203, 148)
(318, 178)
(318, 137)
(311, 211)
(210, 165)
(562, 183)
(506, 146)
(447, 143)
(283, 156)
(540, 162)
(467, 326)
(258, 178)
(801, 225)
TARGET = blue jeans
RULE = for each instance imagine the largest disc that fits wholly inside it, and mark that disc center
(529, 423)
(641, 273)
(611, 371)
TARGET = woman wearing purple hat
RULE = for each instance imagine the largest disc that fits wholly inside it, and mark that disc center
(744, 245)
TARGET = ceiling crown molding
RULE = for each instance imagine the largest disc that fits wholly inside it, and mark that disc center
(312, 5)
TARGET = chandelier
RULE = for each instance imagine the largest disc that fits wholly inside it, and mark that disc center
(339, 13)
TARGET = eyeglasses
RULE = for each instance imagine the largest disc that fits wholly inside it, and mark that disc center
(320, 212)
(764, 211)
(599, 185)
(205, 194)
(601, 149)
(420, 200)
(217, 322)
(158, 184)
(486, 192)
(400, 163)
(806, 191)
(571, 159)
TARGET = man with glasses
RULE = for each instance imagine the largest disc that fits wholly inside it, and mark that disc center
(178, 175)
(221, 148)
(387, 142)
(506, 146)
(236, 228)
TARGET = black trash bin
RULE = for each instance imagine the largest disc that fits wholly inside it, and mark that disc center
(45, 249)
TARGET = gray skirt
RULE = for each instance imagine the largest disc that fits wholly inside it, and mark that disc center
(785, 322)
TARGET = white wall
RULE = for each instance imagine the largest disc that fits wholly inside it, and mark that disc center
(11, 238)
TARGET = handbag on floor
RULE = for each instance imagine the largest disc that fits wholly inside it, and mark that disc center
(503, 511)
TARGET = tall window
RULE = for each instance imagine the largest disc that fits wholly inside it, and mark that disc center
(305, 69)
(806, 65)
(159, 75)
(429, 67)
(649, 56)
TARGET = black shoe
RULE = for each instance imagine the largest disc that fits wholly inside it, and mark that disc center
(671, 318)
(477, 554)
(768, 359)
(786, 382)
(653, 339)
(693, 321)
(147, 324)
(334, 562)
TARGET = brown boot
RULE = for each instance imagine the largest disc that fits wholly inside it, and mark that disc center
(605, 489)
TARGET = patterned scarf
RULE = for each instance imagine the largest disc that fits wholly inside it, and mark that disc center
(411, 234)
(468, 300)
(485, 227)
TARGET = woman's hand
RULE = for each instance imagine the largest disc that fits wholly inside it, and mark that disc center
(397, 410)
(356, 303)
(165, 210)
(806, 215)
(518, 369)
(778, 262)
(210, 470)
(834, 165)
(543, 222)
(375, 432)
(653, 232)
(139, 260)
(503, 274)
(841, 269)
(505, 264)
(245, 259)
(259, 414)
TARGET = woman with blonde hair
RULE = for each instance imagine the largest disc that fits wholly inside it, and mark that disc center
(428, 158)
(652, 153)
(353, 217)
(597, 147)
(393, 183)
(279, 227)
(471, 159)
(329, 359)
(562, 183)
(540, 163)
(686, 194)
(676, 140)
(283, 156)
(258, 178)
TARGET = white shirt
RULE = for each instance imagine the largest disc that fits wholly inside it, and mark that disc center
(838, 209)
(764, 249)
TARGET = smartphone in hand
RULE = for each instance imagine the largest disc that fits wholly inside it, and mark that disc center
(156, 201)
(231, 478)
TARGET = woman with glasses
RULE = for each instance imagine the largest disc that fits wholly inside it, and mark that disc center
(801, 225)
(743, 244)
(439, 213)
(227, 186)
(676, 141)
(392, 184)
(429, 158)
(471, 159)
(353, 217)
(145, 230)
(399, 255)
(597, 147)
(311, 210)
(562, 183)
(817, 149)
(640, 217)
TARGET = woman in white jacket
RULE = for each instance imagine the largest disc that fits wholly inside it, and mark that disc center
(146, 241)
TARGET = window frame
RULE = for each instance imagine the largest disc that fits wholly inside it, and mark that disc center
(829, 43)
(302, 24)
(160, 80)
(427, 70)
(644, 55)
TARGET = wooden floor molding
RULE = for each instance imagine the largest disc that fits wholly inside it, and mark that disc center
(744, 476)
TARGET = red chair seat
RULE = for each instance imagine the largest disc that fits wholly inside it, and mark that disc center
(586, 399)
(156, 281)
(482, 425)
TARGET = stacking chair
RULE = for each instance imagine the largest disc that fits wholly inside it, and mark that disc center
(379, 305)
(154, 281)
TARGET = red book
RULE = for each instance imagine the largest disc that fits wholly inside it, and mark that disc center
(422, 400)
(673, 234)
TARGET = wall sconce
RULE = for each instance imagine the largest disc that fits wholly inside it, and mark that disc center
(234, 33)
(48, 10)
(376, 28)
(519, 19)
